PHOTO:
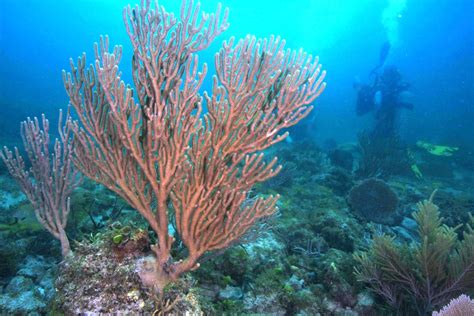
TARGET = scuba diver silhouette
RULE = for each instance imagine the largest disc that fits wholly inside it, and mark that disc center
(384, 97)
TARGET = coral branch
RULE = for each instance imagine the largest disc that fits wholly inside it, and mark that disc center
(49, 182)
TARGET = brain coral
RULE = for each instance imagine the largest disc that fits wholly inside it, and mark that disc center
(374, 200)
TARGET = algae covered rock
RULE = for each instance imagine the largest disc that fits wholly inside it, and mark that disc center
(22, 297)
(30, 291)
(89, 284)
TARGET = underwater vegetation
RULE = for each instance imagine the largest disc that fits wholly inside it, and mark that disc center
(160, 199)
(382, 157)
(424, 276)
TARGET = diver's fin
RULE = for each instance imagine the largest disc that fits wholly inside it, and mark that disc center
(384, 50)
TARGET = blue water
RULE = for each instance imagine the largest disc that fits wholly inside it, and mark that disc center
(331, 206)
(433, 46)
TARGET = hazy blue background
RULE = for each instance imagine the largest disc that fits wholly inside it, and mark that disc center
(432, 44)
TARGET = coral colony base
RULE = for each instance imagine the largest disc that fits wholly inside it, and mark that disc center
(158, 180)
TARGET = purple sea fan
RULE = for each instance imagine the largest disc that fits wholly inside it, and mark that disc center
(374, 200)
(461, 306)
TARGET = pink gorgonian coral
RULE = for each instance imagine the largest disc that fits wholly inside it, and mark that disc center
(177, 155)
